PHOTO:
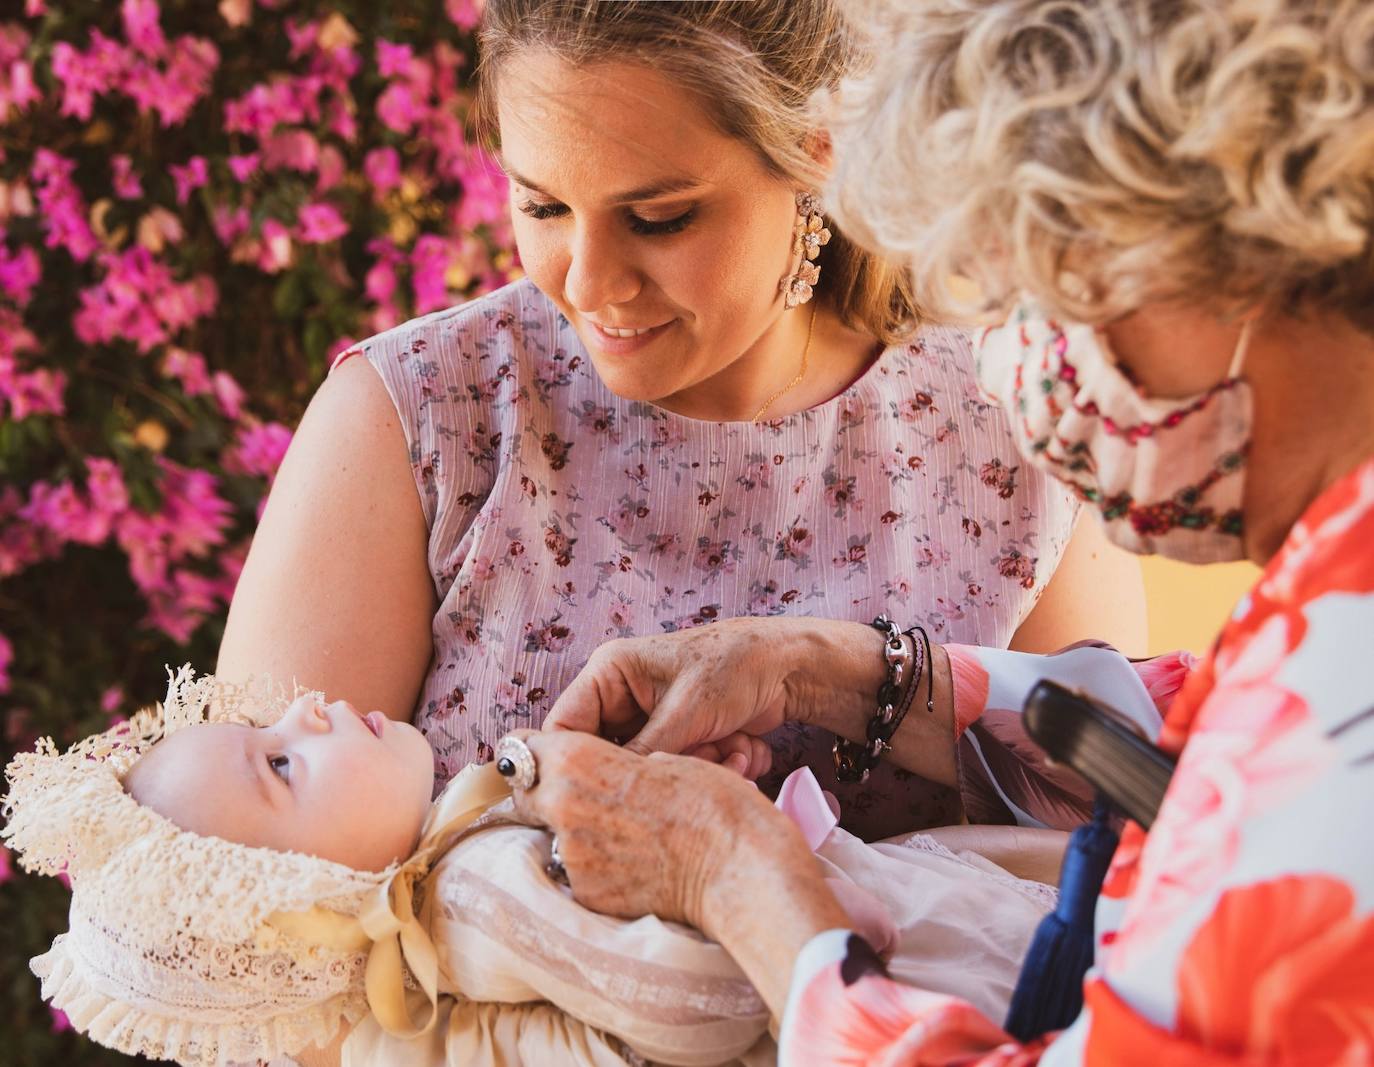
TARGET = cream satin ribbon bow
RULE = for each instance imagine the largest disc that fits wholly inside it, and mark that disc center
(399, 940)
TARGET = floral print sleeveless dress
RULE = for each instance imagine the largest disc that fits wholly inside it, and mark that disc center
(562, 515)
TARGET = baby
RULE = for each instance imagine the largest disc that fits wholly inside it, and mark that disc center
(246, 882)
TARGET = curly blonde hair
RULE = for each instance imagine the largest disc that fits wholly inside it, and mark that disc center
(756, 64)
(1106, 154)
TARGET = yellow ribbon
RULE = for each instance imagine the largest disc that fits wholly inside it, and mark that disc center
(398, 937)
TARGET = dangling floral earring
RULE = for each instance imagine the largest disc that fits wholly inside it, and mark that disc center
(809, 235)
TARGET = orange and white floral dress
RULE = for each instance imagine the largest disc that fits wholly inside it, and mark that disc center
(1240, 929)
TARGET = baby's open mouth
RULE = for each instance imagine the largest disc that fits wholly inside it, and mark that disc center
(376, 722)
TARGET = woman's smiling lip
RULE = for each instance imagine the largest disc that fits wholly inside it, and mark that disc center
(616, 345)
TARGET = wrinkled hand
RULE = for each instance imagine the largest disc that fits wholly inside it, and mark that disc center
(651, 835)
(710, 692)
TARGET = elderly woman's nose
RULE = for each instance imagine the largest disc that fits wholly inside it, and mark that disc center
(600, 272)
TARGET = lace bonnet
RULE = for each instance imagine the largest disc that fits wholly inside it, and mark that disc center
(180, 946)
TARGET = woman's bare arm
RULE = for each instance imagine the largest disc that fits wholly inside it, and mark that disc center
(1096, 592)
(336, 593)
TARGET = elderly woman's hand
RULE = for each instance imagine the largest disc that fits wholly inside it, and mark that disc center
(685, 840)
(710, 691)
(715, 690)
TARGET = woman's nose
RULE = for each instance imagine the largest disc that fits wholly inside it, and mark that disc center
(599, 275)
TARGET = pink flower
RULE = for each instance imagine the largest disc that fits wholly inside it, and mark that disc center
(188, 368)
(63, 207)
(139, 301)
(86, 75)
(190, 177)
(343, 124)
(243, 167)
(429, 268)
(382, 168)
(230, 223)
(486, 193)
(105, 487)
(333, 169)
(400, 107)
(127, 185)
(111, 699)
(303, 37)
(291, 150)
(175, 93)
(17, 89)
(60, 1021)
(19, 273)
(229, 395)
(6, 867)
(142, 27)
(258, 449)
(394, 59)
(320, 224)
(38, 392)
(464, 13)
(277, 253)
(6, 658)
(380, 282)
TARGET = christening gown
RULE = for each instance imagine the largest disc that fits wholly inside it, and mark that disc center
(529, 977)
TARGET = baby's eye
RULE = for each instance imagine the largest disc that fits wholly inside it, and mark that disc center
(281, 767)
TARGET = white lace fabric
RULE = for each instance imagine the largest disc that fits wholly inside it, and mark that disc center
(170, 953)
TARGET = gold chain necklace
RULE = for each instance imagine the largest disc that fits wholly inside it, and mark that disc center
(806, 348)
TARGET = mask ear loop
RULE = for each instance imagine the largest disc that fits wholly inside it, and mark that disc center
(1242, 349)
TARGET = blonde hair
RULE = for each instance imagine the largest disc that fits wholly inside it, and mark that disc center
(756, 64)
(1106, 154)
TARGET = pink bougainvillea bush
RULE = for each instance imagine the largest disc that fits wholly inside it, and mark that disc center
(200, 203)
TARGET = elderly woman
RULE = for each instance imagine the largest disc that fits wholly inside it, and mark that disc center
(705, 401)
(1195, 182)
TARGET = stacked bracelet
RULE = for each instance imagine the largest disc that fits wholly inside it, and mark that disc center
(854, 762)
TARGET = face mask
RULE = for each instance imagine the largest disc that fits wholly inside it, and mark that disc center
(1167, 476)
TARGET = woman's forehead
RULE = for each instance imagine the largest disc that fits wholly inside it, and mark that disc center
(624, 123)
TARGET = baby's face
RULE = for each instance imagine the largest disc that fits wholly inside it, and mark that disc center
(324, 780)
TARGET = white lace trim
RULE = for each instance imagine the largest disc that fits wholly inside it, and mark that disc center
(1038, 893)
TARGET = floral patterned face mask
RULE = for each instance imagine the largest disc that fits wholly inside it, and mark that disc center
(1167, 476)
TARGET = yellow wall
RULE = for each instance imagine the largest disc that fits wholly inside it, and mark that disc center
(1188, 604)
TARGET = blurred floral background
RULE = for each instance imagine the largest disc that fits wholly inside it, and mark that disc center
(201, 204)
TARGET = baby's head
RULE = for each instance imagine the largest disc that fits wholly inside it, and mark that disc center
(221, 874)
(324, 780)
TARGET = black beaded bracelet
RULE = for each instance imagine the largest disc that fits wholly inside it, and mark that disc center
(854, 762)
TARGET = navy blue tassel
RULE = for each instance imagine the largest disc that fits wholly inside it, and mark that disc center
(1049, 992)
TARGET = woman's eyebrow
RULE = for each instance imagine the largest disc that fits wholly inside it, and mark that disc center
(651, 191)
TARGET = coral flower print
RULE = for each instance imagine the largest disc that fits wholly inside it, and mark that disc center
(1307, 952)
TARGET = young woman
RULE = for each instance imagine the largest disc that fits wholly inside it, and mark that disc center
(704, 402)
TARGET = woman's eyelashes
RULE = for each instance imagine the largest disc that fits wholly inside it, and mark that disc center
(281, 767)
(642, 226)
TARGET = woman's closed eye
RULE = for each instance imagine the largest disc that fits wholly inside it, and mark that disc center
(281, 767)
(645, 227)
